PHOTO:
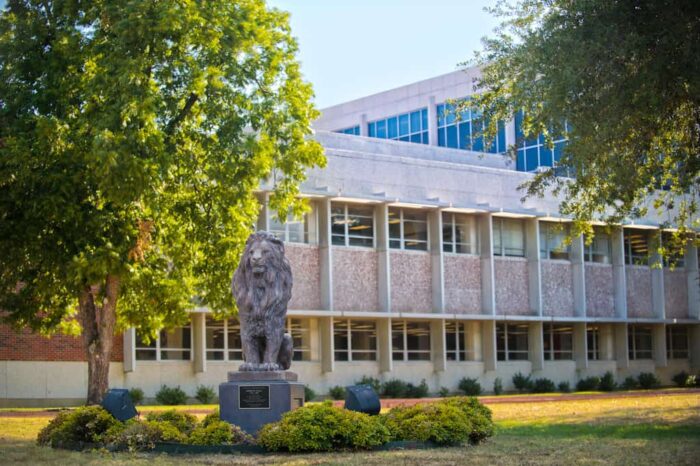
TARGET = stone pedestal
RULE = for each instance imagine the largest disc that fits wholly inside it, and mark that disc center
(253, 399)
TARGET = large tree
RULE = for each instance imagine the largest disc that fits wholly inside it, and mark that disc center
(625, 77)
(133, 134)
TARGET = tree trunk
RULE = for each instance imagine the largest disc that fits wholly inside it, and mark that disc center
(98, 333)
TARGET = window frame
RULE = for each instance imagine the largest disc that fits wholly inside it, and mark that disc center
(445, 109)
(350, 350)
(593, 343)
(158, 348)
(548, 329)
(633, 352)
(412, 136)
(402, 239)
(635, 259)
(346, 224)
(305, 221)
(589, 253)
(462, 350)
(506, 350)
(671, 353)
(548, 234)
(227, 349)
(502, 249)
(405, 352)
(453, 244)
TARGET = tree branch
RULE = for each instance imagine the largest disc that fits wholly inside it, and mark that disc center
(172, 125)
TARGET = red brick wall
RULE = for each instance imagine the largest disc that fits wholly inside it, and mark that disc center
(26, 346)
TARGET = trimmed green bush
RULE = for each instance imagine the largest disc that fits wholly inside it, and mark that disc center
(417, 391)
(183, 422)
(372, 382)
(630, 383)
(309, 394)
(564, 387)
(436, 422)
(323, 427)
(218, 433)
(444, 392)
(137, 435)
(211, 417)
(478, 414)
(86, 424)
(522, 383)
(497, 386)
(394, 388)
(136, 395)
(171, 396)
(680, 379)
(543, 385)
(337, 392)
(648, 380)
(470, 387)
(205, 395)
(607, 382)
(588, 384)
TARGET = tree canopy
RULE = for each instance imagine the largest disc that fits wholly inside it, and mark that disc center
(624, 78)
(133, 135)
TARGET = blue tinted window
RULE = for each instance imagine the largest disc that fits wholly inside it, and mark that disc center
(371, 130)
(441, 137)
(415, 122)
(424, 118)
(353, 130)
(478, 144)
(531, 159)
(465, 141)
(407, 127)
(403, 125)
(546, 157)
(520, 160)
(416, 137)
(441, 115)
(501, 138)
(425, 137)
(381, 129)
(452, 136)
(469, 129)
(392, 128)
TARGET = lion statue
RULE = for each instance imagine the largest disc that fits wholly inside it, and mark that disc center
(262, 287)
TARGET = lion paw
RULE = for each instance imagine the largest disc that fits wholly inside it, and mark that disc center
(269, 366)
(246, 366)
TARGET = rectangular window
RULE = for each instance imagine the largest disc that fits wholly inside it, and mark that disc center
(593, 339)
(558, 342)
(600, 249)
(407, 127)
(465, 131)
(456, 342)
(408, 229)
(508, 237)
(677, 342)
(636, 247)
(215, 336)
(410, 341)
(300, 330)
(355, 340)
(534, 153)
(512, 342)
(459, 233)
(639, 342)
(146, 351)
(353, 130)
(171, 345)
(293, 230)
(674, 256)
(552, 240)
(352, 225)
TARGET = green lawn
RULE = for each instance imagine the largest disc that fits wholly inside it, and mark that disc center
(641, 430)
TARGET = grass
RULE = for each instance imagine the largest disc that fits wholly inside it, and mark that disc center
(641, 430)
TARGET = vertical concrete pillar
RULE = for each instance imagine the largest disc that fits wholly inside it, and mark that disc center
(263, 223)
(621, 346)
(488, 277)
(363, 125)
(691, 267)
(325, 327)
(381, 213)
(580, 345)
(535, 342)
(437, 261)
(694, 335)
(199, 339)
(532, 252)
(658, 299)
(578, 271)
(606, 342)
(510, 133)
(658, 344)
(432, 122)
(312, 218)
(129, 349)
(438, 348)
(488, 344)
(474, 340)
(619, 276)
(325, 250)
(384, 345)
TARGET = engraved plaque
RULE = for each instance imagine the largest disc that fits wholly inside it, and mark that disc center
(254, 397)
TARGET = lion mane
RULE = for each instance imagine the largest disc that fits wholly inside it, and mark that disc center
(262, 287)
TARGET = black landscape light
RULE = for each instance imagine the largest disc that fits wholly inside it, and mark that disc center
(362, 398)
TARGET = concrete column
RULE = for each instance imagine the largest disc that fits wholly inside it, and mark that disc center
(535, 344)
(658, 344)
(363, 125)
(199, 336)
(510, 133)
(658, 299)
(488, 344)
(432, 122)
(475, 338)
(313, 223)
(325, 250)
(532, 252)
(488, 278)
(694, 334)
(691, 267)
(381, 213)
(263, 223)
(578, 271)
(621, 349)
(580, 345)
(384, 345)
(606, 343)
(437, 262)
(438, 348)
(619, 275)
(129, 349)
(325, 327)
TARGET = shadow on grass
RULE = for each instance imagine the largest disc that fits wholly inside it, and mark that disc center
(619, 431)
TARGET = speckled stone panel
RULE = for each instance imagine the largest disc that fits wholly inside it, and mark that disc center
(676, 293)
(639, 291)
(355, 280)
(306, 290)
(411, 282)
(557, 289)
(600, 292)
(511, 286)
(462, 284)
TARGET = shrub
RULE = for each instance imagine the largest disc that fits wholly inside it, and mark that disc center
(142, 435)
(171, 396)
(691, 381)
(441, 423)
(323, 427)
(478, 414)
(183, 422)
(588, 384)
(607, 382)
(337, 392)
(680, 379)
(417, 391)
(630, 383)
(394, 388)
(497, 386)
(309, 394)
(522, 383)
(372, 382)
(218, 433)
(444, 392)
(470, 387)
(648, 380)
(209, 418)
(86, 424)
(205, 394)
(136, 395)
(543, 385)
(564, 387)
